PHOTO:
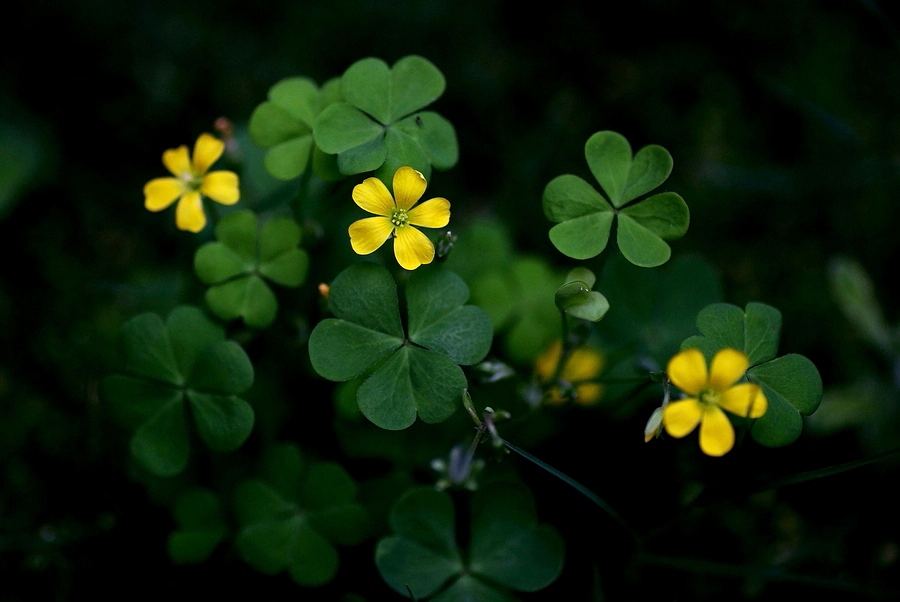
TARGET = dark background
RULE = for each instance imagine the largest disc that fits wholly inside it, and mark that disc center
(783, 120)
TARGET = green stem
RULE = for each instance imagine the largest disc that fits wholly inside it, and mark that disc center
(593, 497)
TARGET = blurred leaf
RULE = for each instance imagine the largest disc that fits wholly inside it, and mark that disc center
(584, 218)
(201, 527)
(653, 310)
(293, 514)
(168, 363)
(378, 124)
(283, 124)
(22, 151)
(508, 549)
(852, 289)
(245, 257)
(403, 378)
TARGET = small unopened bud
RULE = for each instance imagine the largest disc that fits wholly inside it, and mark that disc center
(654, 425)
(324, 290)
(445, 244)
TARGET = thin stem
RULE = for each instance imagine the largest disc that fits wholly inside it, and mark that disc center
(593, 497)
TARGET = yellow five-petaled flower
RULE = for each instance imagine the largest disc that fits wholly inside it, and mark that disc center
(398, 215)
(192, 182)
(708, 394)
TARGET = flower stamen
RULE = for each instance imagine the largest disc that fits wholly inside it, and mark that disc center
(709, 397)
(399, 218)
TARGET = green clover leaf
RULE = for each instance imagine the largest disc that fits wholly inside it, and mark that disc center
(576, 298)
(292, 516)
(508, 549)
(201, 526)
(284, 123)
(791, 383)
(520, 300)
(178, 372)
(584, 218)
(381, 125)
(243, 259)
(410, 373)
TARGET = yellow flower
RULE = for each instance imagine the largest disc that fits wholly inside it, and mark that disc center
(709, 394)
(583, 364)
(397, 217)
(191, 183)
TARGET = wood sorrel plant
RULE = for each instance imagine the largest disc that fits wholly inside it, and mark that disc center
(415, 333)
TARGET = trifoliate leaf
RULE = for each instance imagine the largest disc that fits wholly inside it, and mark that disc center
(243, 259)
(283, 124)
(584, 218)
(184, 360)
(293, 514)
(380, 123)
(508, 549)
(404, 374)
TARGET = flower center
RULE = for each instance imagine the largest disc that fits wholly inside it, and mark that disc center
(709, 397)
(191, 181)
(399, 218)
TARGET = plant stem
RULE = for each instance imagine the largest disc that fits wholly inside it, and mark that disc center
(593, 497)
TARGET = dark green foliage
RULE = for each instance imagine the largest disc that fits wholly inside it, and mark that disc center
(381, 125)
(585, 218)
(508, 548)
(244, 260)
(407, 373)
(177, 375)
(294, 513)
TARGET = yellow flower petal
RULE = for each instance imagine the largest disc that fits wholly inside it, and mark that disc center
(189, 213)
(545, 364)
(727, 368)
(222, 187)
(716, 432)
(588, 393)
(681, 417)
(687, 369)
(433, 213)
(159, 193)
(409, 186)
(367, 235)
(745, 399)
(584, 363)
(207, 151)
(412, 248)
(373, 196)
(178, 162)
